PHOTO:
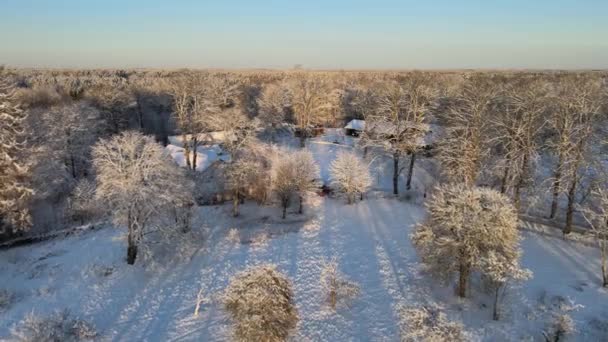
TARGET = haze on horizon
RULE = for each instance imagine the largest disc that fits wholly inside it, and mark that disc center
(338, 34)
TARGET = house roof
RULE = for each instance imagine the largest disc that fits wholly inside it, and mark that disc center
(358, 125)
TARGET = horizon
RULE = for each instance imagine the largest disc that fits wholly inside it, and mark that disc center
(336, 35)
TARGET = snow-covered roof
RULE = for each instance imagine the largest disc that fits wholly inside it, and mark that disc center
(357, 125)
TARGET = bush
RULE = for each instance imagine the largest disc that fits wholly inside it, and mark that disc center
(60, 326)
(260, 303)
(429, 324)
(338, 289)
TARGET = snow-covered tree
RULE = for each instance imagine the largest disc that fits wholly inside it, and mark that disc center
(138, 182)
(71, 131)
(578, 103)
(465, 146)
(198, 99)
(310, 100)
(467, 230)
(260, 301)
(15, 191)
(502, 269)
(596, 214)
(283, 179)
(561, 324)
(350, 175)
(398, 123)
(274, 104)
(515, 130)
(241, 176)
(306, 171)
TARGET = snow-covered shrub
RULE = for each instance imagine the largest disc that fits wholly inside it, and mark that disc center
(337, 288)
(456, 236)
(6, 299)
(60, 326)
(429, 324)
(561, 323)
(260, 302)
(350, 175)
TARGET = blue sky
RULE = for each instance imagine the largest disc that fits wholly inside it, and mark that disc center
(336, 34)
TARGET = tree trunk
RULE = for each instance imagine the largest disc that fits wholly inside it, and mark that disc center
(556, 185)
(361, 196)
(186, 145)
(604, 275)
(284, 211)
(410, 171)
(73, 165)
(132, 244)
(395, 173)
(570, 210)
(520, 183)
(495, 313)
(194, 148)
(463, 277)
(301, 208)
(505, 177)
(140, 113)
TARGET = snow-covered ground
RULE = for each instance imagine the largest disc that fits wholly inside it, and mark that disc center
(88, 275)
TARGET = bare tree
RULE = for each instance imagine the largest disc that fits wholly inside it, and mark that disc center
(578, 103)
(283, 179)
(429, 324)
(138, 182)
(398, 123)
(350, 175)
(465, 146)
(597, 216)
(455, 237)
(15, 191)
(336, 286)
(306, 172)
(71, 131)
(241, 176)
(516, 126)
(274, 104)
(311, 102)
(114, 102)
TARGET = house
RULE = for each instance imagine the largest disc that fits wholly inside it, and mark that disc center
(354, 127)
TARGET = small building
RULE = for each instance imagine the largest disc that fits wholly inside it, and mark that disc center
(355, 127)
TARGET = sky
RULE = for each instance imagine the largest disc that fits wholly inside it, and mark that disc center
(330, 34)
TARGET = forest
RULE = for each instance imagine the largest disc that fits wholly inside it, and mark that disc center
(305, 205)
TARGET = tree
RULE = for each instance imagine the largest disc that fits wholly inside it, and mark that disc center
(466, 227)
(578, 103)
(71, 131)
(310, 101)
(398, 123)
(274, 104)
(350, 175)
(197, 100)
(241, 175)
(114, 103)
(15, 191)
(260, 301)
(138, 182)
(597, 217)
(465, 146)
(306, 173)
(516, 126)
(283, 179)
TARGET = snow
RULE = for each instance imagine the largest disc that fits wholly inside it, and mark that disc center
(87, 274)
(205, 154)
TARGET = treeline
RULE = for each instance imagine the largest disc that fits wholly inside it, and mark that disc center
(501, 129)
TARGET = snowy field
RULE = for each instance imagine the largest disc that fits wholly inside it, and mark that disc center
(88, 275)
